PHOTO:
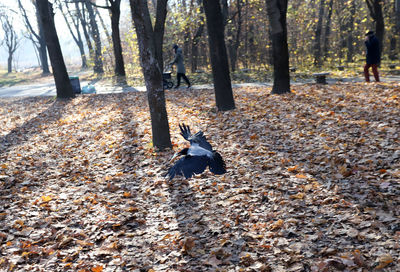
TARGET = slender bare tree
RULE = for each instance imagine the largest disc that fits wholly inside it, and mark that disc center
(36, 36)
(73, 20)
(115, 14)
(10, 41)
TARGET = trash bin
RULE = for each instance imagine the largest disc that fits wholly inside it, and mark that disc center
(76, 86)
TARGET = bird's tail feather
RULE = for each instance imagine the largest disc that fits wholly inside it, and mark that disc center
(217, 164)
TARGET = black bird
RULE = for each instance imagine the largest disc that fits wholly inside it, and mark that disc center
(197, 157)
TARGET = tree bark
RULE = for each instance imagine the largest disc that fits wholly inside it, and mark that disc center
(76, 37)
(116, 38)
(219, 58)
(394, 40)
(350, 38)
(159, 26)
(98, 59)
(375, 9)
(277, 17)
(63, 84)
(234, 41)
(196, 40)
(81, 15)
(152, 73)
(318, 32)
(42, 46)
(328, 30)
(37, 38)
(9, 64)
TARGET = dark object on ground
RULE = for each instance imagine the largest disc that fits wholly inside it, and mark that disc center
(197, 157)
(392, 66)
(340, 68)
(292, 69)
(320, 78)
(167, 82)
(76, 86)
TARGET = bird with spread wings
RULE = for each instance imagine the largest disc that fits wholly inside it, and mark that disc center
(197, 157)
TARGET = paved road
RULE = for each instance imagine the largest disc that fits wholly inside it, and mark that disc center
(48, 88)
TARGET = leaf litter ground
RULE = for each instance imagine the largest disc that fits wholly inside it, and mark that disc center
(312, 183)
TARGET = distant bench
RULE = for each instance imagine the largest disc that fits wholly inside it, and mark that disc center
(321, 77)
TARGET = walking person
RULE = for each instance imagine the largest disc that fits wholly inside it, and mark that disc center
(373, 55)
(180, 67)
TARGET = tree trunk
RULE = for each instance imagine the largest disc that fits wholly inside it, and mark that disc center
(103, 25)
(219, 58)
(161, 15)
(77, 38)
(277, 17)
(234, 42)
(116, 38)
(82, 19)
(194, 57)
(152, 72)
(318, 32)
(395, 31)
(9, 63)
(350, 38)
(98, 59)
(42, 45)
(63, 84)
(10, 40)
(328, 30)
(375, 9)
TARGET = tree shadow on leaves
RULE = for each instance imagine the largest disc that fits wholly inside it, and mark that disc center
(34, 126)
(205, 241)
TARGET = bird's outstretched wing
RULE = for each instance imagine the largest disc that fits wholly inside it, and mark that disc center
(217, 164)
(188, 166)
(197, 138)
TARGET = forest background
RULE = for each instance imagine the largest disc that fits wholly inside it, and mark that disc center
(323, 33)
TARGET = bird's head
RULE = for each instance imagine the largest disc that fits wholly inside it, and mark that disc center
(183, 152)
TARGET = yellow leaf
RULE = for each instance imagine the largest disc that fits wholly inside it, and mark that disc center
(4, 166)
(293, 168)
(298, 196)
(84, 243)
(301, 176)
(9, 243)
(278, 224)
(98, 268)
(384, 261)
(127, 194)
(46, 198)
(19, 222)
(254, 137)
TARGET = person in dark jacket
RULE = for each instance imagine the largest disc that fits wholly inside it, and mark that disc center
(180, 67)
(373, 56)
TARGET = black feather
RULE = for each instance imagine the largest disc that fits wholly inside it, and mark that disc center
(197, 157)
(217, 164)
